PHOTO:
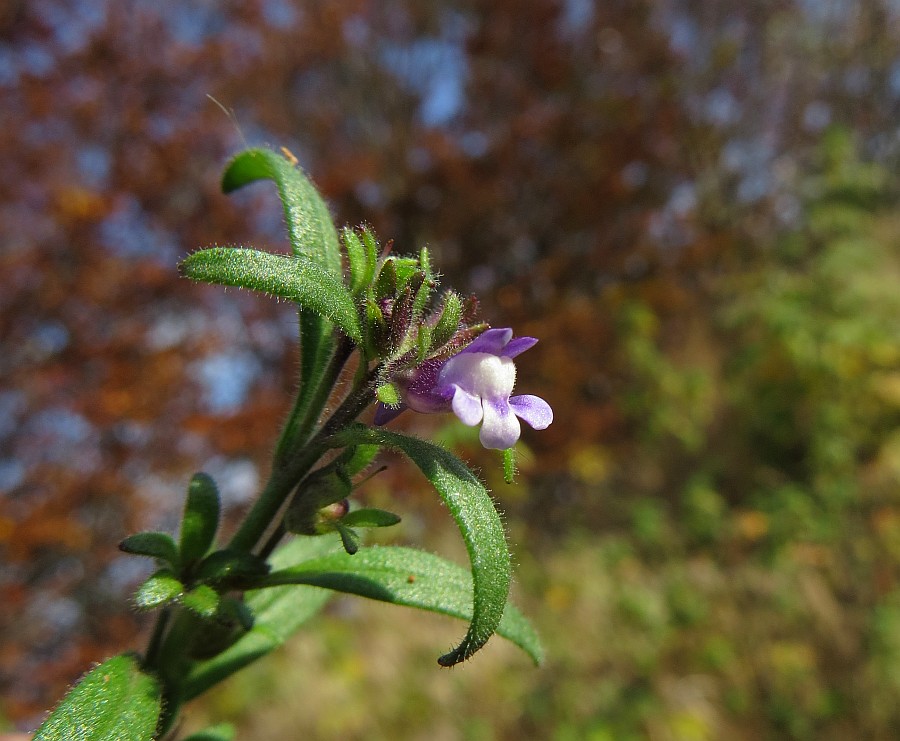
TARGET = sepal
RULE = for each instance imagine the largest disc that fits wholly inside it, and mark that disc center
(448, 321)
(360, 260)
(388, 394)
(349, 537)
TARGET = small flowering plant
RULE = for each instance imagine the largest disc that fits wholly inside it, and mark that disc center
(223, 603)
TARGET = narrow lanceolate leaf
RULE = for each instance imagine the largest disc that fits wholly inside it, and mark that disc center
(153, 545)
(370, 517)
(116, 700)
(312, 235)
(471, 506)
(310, 228)
(404, 576)
(294, 278)
(201, 518)
(231, 568)
(277, 614)
(160, 589)
(356, 459)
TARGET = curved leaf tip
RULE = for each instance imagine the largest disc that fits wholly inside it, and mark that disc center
(479, 524)
(408, 577)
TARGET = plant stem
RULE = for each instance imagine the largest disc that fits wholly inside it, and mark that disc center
(302, 420)
(291, 471)
(156, 638)
(283, 481)
(272, 542)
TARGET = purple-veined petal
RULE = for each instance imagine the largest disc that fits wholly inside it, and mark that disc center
(533, 409)
(432, 402)
(467, 407)
(518, 346)
(500, 428)
(385, 414)
(491, 341)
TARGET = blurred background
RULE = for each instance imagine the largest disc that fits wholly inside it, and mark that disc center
(694, 204)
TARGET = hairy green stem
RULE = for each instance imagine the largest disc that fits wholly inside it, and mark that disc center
(291, 471)
(272, 541)
(173, 634)
(302, 420)
(172, 665)
(156, 638)
(283, 481)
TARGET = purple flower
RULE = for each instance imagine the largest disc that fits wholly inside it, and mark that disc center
(475, 384)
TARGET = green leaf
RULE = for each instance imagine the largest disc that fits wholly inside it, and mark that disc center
(471, 506)
(201, 518)
(230, 567)
(115, 700)
(370, 518)
(202, 600)
(312, 235)
(294, 278)
(153, 545)
(278, 613)
(220, 732)
(162, 588)
(404, 576)
(357, 457)
(311, 231)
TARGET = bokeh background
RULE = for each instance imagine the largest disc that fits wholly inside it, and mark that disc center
(694, 204)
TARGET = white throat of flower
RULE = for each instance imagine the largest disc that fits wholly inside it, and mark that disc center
(487, 376)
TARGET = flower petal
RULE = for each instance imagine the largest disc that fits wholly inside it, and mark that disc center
(467, 407)
(533, 409)
(384, 413)
(500, 428)
(518, 346)
(491, 341)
